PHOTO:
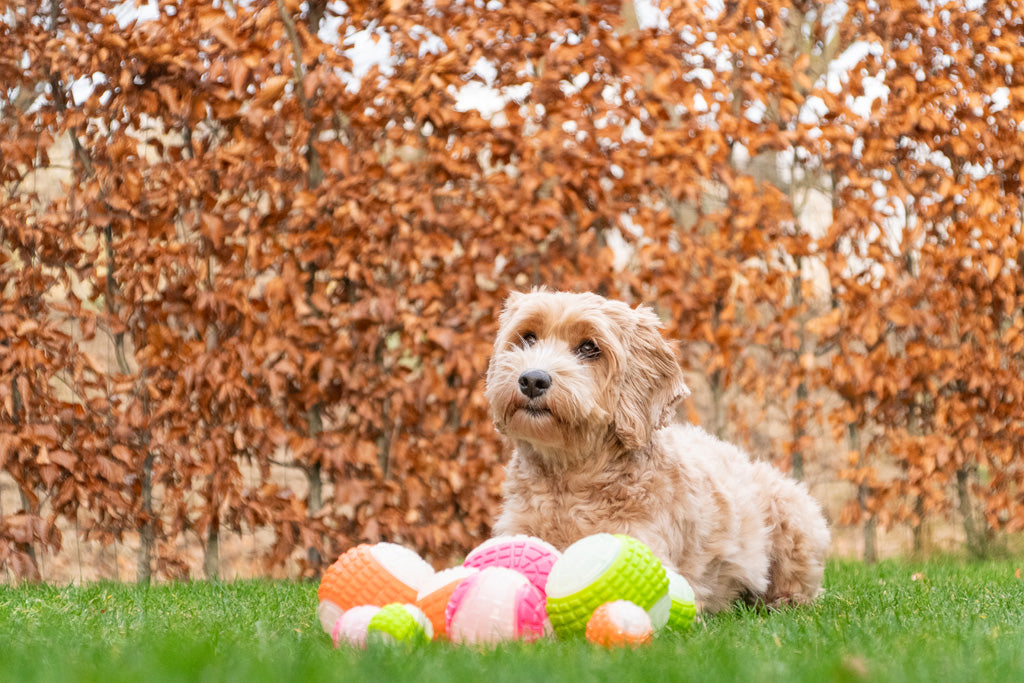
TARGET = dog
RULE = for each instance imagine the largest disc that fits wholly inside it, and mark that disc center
(586, 389)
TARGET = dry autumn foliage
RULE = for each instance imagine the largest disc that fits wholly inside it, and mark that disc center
(297, 260)
(927, 248)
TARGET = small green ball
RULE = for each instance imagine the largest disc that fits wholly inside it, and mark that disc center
(683, 609)
(399, 624)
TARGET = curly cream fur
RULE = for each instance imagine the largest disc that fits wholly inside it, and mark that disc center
(598, 452)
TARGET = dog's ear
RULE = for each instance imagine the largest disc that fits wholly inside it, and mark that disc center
(509, 308)
(512, 302)
(650, 381)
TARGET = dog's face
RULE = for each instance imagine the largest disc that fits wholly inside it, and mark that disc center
(572, 371)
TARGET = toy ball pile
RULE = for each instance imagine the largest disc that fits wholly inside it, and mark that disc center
(609, 589)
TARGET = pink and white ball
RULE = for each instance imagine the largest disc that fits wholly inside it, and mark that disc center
(435, 593)
(496, 604)
(528, 555)
(352, 626)
(328, 614)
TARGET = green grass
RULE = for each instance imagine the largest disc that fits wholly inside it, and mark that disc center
(935, 621)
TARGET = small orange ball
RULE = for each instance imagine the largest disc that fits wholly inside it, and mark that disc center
(619, 623)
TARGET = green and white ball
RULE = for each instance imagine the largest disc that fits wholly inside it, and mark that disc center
(399, 624)
(683, 609)
(601, 568)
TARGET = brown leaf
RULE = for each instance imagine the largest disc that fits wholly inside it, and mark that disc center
(271, 89)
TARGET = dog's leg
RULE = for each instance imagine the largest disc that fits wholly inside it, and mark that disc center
(799, 542)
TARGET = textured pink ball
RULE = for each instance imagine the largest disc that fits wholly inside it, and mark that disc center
(495, 605)
(528, 555)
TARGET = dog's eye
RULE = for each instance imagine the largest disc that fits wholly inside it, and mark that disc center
(528, 339)
(588, 350)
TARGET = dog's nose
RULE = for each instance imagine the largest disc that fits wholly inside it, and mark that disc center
(534, 383)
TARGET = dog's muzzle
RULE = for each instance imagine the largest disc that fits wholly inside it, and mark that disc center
(534, 383)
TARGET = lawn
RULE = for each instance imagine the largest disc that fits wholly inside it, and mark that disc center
(899, 620)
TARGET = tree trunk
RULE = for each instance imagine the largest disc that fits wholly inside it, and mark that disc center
(800, 412)
(914, 429)
(28, 547)
(144, 559)
(314, 501)
(211, 560)
(918, 529)
(863, 492)
(976, 544)
(797, 461)
(870, 540)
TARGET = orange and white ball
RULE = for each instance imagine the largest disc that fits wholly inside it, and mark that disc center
(377, 574)
(619, 623)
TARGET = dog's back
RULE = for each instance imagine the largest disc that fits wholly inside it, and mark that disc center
(758, 534)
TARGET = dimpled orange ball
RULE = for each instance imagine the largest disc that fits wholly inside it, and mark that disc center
(619, 623)
(377, 574)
